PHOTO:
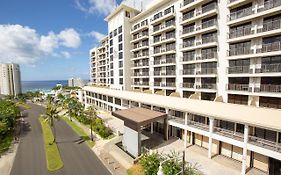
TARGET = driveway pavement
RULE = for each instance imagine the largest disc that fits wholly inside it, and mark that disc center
(30, 158)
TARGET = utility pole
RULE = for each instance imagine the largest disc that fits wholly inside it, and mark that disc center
(183, 161)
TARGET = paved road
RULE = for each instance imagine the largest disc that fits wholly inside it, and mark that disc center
(77, 157)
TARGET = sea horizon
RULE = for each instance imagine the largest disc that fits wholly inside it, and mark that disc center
(41, 85)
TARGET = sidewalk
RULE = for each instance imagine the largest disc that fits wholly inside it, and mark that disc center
(7, 160)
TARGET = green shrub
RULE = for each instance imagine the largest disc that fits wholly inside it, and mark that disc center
(101, 129)
(150, 163)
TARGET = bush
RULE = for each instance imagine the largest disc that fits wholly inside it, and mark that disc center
(101, 129)
(150, 163)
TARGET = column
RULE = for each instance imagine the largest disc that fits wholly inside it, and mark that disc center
(166, 129)
(211, 130)
(185, 130)
(151, 127)
(130, 104)
(244, 158)
(139, 141)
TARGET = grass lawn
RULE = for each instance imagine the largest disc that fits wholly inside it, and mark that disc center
(135, 170)
(6, 143)
(80, 132)
(54, 161)
(23, 105)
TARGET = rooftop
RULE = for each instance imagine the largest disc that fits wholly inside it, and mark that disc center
(254, 116)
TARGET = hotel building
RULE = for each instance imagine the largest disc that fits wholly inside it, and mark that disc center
(213, 66)
(10, 79)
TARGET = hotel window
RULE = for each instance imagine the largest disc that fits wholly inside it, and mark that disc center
(227, 125)
(240, 128)
(110, 35)
(168, 10)
(127, 14)
(120, 47)
(112, 81)
(120, 29)
(121, 72)
(120, 64)
(111, 42)
(115, 32)
(121, 81)
(120, 38)
(120, 55)
(111, 50)
(265, 134)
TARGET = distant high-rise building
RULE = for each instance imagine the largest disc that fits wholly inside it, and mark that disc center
(76, 82)
(10, 79)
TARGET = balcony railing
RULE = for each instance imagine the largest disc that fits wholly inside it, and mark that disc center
(163, 26)
(238, 87)
(185, 2)
(188, 15)
(241, 32)
(188, 58)
(240, 51)
(240, 70)
(209, 7)
(270, 88)
(163, 73)
(139, 64)
(141, 55)
(188, 29)
(270, 47)
(269, 68)
(188, 72)
(209, 39)
(198, 125)
(240, 13)
(141, 83)
(231, 1)
(209, 23)
(207, 86)
(269, 5)
(229, 133)
(164, 61)
(141, 74)
(205, 71)
(208, 55)
(165, 84)
(271, 25)
(188, 44)
(265, 143)
(160, 16)
(140, 35)
(187, 85)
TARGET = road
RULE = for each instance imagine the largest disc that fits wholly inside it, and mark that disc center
(30, 158)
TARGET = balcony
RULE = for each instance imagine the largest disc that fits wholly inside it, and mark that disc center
(141, 64)
(208, 55)
(239, 70)
(229, 133)
(189, 43)
(200, 12)
(165, 61)
(188, 72)
(164, 50)
(269, 5)
(198, 125)
(188, 58)
(187, 85)
(269, 68)
(142, 26)
(270, 47)
(265, 143)
(185, 2)
(143, 83)
(206, 71)
(161, 17)
(241, 32)
(240, 13)
(209, 39)
(139, 47)
(271, 25)
(163, 27)
(165, 73)
(163, 39)
(165, 84)
(239, 87)
(269, 88)
(240, 51)
(208, 86)
(139, 74)
(140, 37)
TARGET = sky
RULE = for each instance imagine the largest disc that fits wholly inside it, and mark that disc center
(51, 39)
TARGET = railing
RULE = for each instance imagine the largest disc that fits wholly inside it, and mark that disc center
(164, 61)
(269, 5)
(270, 47)
(208, 55)
(165, 84)
(141, 74)
(140, 45)
(140, 35)
(231, 1)
(209, 39)
(205, 71)
(188, 71)
(241, 32)
(188, 15)
(160, 16)
(141, 83)
(188, 44)
(268, 68)
(188, 29)
(198, 125)
(271, 25)
(163, 26)
(139, 26)
(239, 70)
(185, 2)
(209, 7)
(209, 23)
(144, 63)
(240, 13)
(238, 87)
(208, 86)
(187, 85)
(240, 51)
(265, 143)
(140, 55)
(229, 133)
(176, 119)
(163, 73)
(270, 88)
(188, 58)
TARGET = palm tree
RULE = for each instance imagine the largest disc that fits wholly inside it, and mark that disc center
(92, 113)
(51, 116)
(75, 108)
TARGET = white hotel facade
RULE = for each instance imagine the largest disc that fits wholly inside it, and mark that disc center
(213, 65)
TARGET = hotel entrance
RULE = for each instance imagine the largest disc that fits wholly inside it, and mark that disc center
(274, 167)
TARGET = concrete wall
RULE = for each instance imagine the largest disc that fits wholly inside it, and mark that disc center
(130, 141)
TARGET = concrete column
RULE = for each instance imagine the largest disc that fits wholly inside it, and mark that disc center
(211, 130)
(244, 158)
(151, 128)
(185, 130)
(130, 104)
(166, 129)
(139, 141)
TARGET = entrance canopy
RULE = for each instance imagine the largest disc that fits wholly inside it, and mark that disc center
(134, 118)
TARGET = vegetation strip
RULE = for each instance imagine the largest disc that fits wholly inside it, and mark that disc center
(54, 161)
(80, 132)
(5, 143)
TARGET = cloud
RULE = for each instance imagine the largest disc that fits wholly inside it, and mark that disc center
(22, 44)
(69, 38)
(98, 36)
(103, 7)
(65, 54)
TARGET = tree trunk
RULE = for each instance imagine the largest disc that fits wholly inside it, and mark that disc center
(92, 138)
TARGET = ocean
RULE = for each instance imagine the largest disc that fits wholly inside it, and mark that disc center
(45, 86)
